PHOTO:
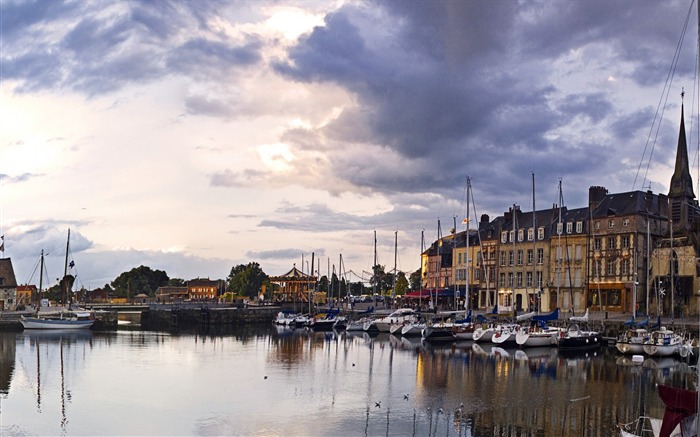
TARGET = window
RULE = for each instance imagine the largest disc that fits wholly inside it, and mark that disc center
(611, 242)
(625, 267)
(578, 250)
(539, 280)
(530, 256)
(611, 267)
(510, 257)
(611, 223)
(596, 268)
(569, 227)
(559, 228)
(577, 277)
(596, 226)
(540, 233)
(520, 235)
(579, 227)
(625, 222)
(459, 258)
(503, 258)
(529, 279)
(520, 257)
(477, 274)
(519, 277)
(502, 280)
(504, 237)
(625, 241)
(530, 234)
(540, 256)
(512, 236)
(597, 244)
(510, 280)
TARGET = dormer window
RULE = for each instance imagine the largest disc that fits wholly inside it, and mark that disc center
(540, 233)
(569, 227)
(504, 237)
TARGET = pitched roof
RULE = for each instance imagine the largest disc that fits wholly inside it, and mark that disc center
(7, 273)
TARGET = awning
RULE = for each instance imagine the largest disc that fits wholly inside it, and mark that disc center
(445, 292)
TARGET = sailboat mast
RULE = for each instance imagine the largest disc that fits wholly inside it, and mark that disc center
(646, 307)
(374, 272)
(560, 228)
(467, 296)
(512, 284)
(41, 283)
(65, 275)
(422, 249)
(534, 246)
(393, 278)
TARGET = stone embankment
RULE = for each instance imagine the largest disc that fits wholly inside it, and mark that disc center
(168, 317)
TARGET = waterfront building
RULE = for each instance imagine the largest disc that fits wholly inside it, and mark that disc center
(26, 294)
(202, 289)
(488, 240)
(623, 225)
(566, 286)
(8, 285)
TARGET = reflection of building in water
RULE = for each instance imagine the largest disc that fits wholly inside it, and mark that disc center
(7, 360)
(536, 393)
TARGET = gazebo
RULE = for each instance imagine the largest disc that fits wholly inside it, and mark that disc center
(293, 285)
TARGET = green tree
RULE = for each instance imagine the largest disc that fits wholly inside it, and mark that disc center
(176, 282)
(247, 280)
(138, 280)
(401, 284)
(416, 280)
(383, 280)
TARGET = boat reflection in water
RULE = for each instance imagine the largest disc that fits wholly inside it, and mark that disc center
(259, 381)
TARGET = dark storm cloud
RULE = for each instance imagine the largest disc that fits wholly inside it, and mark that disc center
(89, 51)
(455, 88)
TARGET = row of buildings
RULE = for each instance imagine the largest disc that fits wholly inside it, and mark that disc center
(623, 252)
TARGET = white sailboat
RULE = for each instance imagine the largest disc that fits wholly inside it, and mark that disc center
(63, 319)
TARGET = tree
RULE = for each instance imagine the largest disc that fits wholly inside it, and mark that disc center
(401, 284)
(416, 280)
(138, 280)
(383, 279)
(176, 282)
(247, 280)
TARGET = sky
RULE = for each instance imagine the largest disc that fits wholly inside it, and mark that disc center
(195, 136)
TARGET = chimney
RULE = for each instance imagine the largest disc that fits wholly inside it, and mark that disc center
(484, 218)
(596, 195)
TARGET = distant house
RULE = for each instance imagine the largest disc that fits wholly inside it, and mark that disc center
(202, 289)
(97, 295)
(8, 285)
(26, 295)
(171, 294)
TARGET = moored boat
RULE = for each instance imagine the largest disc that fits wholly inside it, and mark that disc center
(632, 341)
(538, 335)
(576, 339)
(662, 343)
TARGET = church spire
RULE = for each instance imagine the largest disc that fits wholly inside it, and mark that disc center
(681, 194)
(681, 182)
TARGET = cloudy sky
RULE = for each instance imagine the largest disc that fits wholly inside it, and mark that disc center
(194, 136)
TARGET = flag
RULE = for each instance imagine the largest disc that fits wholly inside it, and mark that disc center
(2, 245)
(71, 264)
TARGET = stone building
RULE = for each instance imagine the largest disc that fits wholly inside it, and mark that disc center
(8, 285)
(674, 265)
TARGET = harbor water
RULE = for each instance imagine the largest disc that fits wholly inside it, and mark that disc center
(268, 381)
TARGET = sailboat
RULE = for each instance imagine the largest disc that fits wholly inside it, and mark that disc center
(64, 319)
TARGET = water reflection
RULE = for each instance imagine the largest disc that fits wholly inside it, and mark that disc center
(280, 381)
(485, 389)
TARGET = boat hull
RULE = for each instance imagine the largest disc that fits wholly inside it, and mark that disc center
(39, 323)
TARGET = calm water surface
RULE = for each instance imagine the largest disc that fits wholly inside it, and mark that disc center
(272, 382)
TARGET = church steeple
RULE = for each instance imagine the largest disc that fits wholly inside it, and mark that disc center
(681, 193)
